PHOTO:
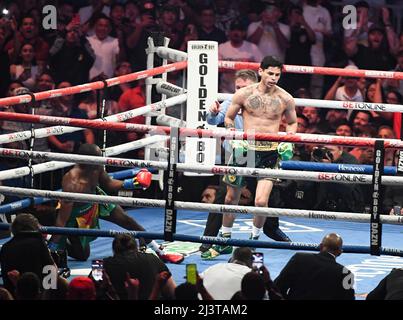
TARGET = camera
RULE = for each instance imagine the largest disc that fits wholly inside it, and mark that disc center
(97, 267)
(258, 262)
(64, 272)
(321, 153)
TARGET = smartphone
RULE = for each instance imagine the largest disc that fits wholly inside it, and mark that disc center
(258, 261)
(5, 14)
(97, 268)
(191, 273)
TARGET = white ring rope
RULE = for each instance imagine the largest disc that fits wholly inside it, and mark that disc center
(119, 117)
(333, 104)
(194, 206)
(173, 90)
(171, 54)
(55, 165)
(169, 89)
(164, 120)
(220, 170)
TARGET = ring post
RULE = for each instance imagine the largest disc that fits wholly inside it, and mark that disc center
(171, 178)
(377, 198)
(102, 116)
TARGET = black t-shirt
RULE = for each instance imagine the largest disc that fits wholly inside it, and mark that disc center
(142, 266)
(25, 252)
(370, 59)
(5, 73)
(299, 51)
(215, 35)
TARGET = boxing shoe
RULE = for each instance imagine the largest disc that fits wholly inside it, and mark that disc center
(277, 235)
(171, 257)
(254, 238)
(205, 247)
(217, 250)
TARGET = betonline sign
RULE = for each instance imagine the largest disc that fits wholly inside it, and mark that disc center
(202, 92)
(364, 106)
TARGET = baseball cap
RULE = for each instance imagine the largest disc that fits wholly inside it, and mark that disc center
(169, 8)
(81, 288)
(271, 3)
(351, 66)
(294, 7)
(237, 25)
(20, 91)
(361, 4)
(376, 27)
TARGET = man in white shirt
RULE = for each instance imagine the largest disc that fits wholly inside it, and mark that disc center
(347, 92)
(236, 49)
(318, 18)
(222, 280)
(270, 35)
(106, 48)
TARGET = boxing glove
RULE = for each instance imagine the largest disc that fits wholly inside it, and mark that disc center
(141, 181)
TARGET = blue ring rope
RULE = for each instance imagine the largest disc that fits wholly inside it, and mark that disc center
(333, 167)
(210, 240)
(25, 203)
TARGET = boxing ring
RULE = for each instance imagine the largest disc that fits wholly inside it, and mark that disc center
(312, 225)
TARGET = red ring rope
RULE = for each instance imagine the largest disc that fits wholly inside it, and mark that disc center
(238, 65)
(93, 85)
(229, 134)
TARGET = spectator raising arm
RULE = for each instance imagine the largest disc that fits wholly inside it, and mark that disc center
(163, 283)
(390, 32)
(332, 91)
(202, 289)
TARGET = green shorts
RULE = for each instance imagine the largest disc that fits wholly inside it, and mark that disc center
(263, 160)
(86, 216)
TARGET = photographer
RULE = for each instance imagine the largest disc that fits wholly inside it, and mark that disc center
(329, 196)
(25, 252)
(332, 196)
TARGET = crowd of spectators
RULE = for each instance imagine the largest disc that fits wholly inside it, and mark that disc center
(130, 274)
(29, 273)
(101, 39)
(96, 40)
